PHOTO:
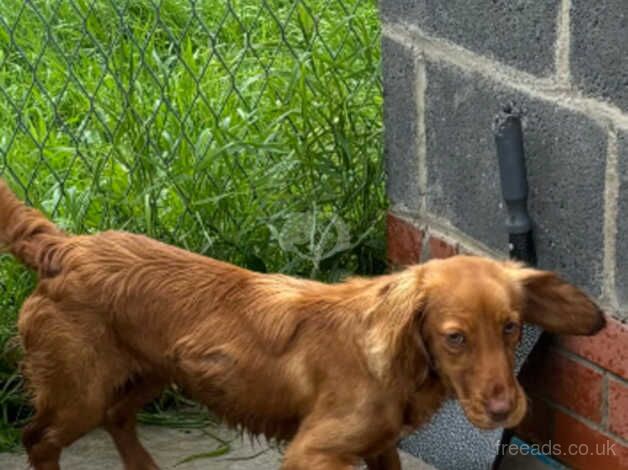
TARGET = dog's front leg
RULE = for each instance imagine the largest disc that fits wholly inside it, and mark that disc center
(315, 461)
(337, 441)
(387, 460)
(320, 444)
(308, 452)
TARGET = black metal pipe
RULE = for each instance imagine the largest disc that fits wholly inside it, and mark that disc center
(514, 184)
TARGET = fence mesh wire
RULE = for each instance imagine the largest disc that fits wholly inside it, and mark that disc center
(248, 130)
(206, 123)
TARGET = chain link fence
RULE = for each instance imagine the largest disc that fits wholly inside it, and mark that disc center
(247, 130)
(203, 123)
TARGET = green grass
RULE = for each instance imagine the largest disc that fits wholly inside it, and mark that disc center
(248, 130)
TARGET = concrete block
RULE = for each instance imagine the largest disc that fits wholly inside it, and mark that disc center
(621, 247)
(400, 117)
(566, 158)
(599, 60)
(519, 33)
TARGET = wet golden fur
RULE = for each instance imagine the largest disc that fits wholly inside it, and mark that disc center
(340, 371)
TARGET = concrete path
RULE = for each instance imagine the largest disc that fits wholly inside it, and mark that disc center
(170, 447)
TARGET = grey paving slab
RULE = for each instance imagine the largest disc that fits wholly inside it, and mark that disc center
(169, 447)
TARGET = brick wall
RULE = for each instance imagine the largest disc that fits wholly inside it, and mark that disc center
(448, 68)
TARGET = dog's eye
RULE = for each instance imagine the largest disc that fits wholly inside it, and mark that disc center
(511, 328)
(455, 339)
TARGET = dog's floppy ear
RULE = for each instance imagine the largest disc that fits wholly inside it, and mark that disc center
(555, 305)
(394, 321)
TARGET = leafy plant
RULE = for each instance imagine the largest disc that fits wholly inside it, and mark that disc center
(219, 126)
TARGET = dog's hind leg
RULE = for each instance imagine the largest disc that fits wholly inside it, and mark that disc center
(120, 423)
(70, 383)
(63, 415)
(51, 431)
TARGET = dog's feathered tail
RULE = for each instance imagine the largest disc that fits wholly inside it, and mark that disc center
(26, 232)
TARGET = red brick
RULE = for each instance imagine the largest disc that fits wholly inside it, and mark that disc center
(618, 408)
(404, 242)
(565, 382)
(608, 349)
(440, 248)
(585, 448)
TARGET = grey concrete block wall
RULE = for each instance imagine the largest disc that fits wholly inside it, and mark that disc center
(566, 160)
(622, 221)
(520, 33)
(565, 64)
(400, 112)
(599, 49)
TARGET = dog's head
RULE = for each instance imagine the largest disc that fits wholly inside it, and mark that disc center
(466, 314)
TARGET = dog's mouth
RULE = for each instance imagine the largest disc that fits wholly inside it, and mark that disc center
(484, 420)
(477, 413)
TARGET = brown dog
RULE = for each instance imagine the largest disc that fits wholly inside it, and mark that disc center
(340, 370)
